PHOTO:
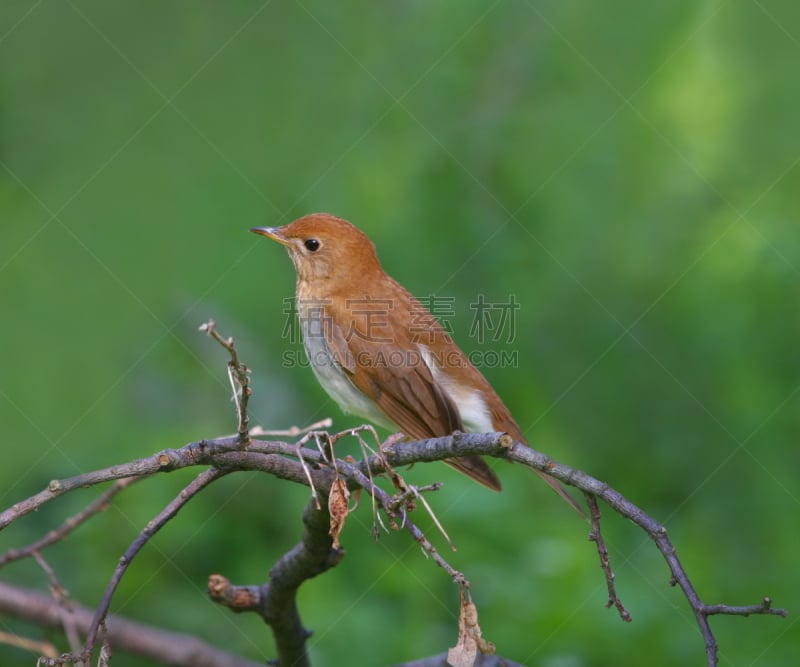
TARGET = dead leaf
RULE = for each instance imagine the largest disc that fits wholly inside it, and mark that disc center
(338, 499)
(470, 641)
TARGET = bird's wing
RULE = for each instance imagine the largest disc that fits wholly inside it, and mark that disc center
(397, 380)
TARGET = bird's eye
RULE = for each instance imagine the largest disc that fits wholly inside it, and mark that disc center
(311, 244)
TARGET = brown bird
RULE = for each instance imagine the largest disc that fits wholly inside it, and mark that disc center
(378, 352)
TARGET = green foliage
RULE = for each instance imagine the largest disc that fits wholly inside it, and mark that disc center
(628, 172)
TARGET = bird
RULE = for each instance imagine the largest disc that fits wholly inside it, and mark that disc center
(378, 352)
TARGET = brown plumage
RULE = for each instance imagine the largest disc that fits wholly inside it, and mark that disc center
(376, 349)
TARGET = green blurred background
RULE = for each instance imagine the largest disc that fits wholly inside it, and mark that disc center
(628, 172)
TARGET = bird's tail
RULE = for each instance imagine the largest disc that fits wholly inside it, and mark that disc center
(561, 490)
(476, 468)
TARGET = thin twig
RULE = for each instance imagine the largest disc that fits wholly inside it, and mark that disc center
(57, 534)
(657, 533)
(596, 536)
(310, 435)
(747, 610)
(60, 595)
(198, 484)
(292, 431)
(365, 451)
(432, 514)
(34, 646)
(386, 502)
(241, 374)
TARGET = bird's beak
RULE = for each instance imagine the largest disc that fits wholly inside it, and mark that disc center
(271, 232)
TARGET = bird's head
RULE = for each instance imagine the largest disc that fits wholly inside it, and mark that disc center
(327, 251)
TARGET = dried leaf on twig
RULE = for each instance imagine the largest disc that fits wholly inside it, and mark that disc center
(338, 500)
(470, 641)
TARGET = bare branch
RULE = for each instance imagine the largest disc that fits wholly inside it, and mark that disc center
(126, 635)
(764, 608)
(69, 525)
(276, 601)
(657, 533)
(388, 503)
(44, 648)
(292, 431)
(58, 487)
(596, 536)
(281, 459)
(59, 594)
(203, 452)
(199, 483)
(239, 375)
